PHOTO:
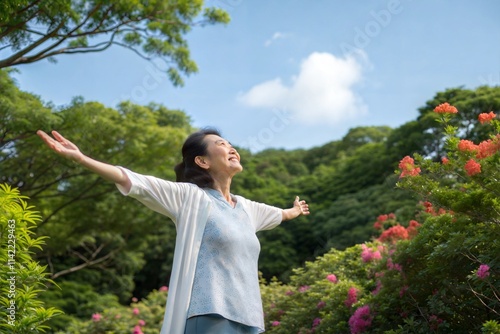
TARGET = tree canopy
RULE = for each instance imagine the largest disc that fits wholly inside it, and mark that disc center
(32, 30)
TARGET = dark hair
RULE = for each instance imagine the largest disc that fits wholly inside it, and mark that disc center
(188, 170)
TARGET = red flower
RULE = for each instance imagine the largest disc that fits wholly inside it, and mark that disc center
(487, 148)
(394, 234)
(412, 228)
(407, 166)
(382, 218)
(486, 117)
(445, 160)
(467, 146)
(445, 108)
(472, 167)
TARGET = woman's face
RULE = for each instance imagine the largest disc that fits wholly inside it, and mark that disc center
(221, 158)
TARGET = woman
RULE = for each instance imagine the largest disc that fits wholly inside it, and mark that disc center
(214, 285)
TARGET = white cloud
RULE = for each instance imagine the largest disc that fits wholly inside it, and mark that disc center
(321, 93)
(276, 35)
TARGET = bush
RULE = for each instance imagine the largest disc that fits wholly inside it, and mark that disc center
(438, 273)
(140, 317)
(22, 278)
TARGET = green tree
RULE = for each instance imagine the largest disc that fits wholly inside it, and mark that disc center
(97, 237)
(33, 30)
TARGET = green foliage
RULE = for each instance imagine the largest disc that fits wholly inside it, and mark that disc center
(96, 237)
(103, 250)
(35, 30)
(145, 316)
(22, 279)
(443, 279)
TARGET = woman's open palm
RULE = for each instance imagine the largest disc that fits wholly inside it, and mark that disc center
(61, 145)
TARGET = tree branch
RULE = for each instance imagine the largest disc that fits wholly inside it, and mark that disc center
(86, 264)
(12, 60)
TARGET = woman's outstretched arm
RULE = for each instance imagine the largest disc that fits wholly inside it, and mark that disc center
(67, 149)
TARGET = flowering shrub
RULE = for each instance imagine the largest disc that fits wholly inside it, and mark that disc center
(437, 273)
(140, 317)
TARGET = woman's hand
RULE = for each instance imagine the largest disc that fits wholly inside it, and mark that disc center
(299, 208)
(61, 146)
(67, 149)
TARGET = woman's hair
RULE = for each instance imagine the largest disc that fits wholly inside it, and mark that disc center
(188, 170)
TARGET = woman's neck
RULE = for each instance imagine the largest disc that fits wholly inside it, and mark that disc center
(224, 186)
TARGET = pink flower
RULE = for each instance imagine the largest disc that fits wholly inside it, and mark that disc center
(445, 160)
(275, 323)
(163, 288)
(137, 330)
(393, 266)
(135, 300)
(445, 108)
(352, 297)
(360, 320)
(486, 117)
(289, 293)
(96, 317)
(472, 167)
(135, 311)
(367, 254)
(304, 288)
(483, 271)
(407, 166)
(377, 288)
(315, 324)
(403, 290)
(434, 322)
(332, 278)
(320, 305)
(141, 323)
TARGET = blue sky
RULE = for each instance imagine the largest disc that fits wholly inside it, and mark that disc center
(298, 74)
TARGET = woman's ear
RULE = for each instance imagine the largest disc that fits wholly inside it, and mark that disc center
(201, 161)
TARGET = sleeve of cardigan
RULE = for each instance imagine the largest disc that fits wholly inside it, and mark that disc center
(162, 196)
(264, 217)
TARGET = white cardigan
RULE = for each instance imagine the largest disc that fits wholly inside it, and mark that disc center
(188, 206)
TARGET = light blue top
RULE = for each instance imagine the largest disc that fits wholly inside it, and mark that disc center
(226, 279)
